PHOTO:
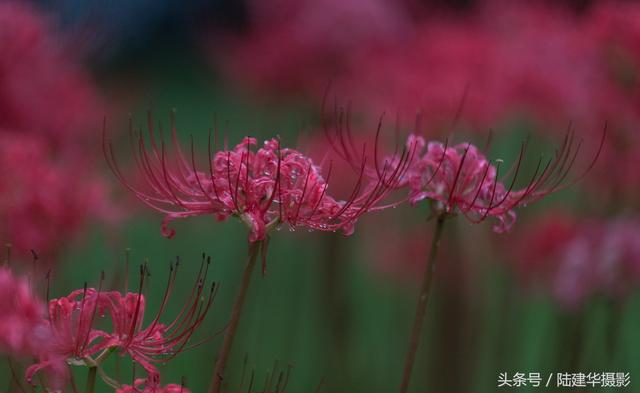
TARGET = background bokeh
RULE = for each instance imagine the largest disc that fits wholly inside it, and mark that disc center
(557, 294)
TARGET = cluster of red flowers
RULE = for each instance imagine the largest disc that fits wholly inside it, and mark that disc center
(67, 334)
(48, 108)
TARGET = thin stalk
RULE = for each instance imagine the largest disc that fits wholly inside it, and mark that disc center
(91, 379)
(236, 311)
(336, 309)
(72, 382)
(421, 307)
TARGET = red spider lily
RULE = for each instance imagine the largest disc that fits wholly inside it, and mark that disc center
(137, 387)
(263, 188)
(158, 342)
(461, 179)
(76, 340)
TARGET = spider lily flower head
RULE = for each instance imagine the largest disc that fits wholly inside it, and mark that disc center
(140, 386)
(460, 179)
(264, 187)
(157, 342)
(75, 340)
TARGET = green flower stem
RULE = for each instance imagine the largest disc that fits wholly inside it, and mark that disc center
(421, 307)
(236, 311)
(91, 379)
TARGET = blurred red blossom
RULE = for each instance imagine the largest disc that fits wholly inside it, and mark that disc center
(23, 331)
(577, 259)
(42, 90)
(300, 44)
(49, 116)
(45, 201)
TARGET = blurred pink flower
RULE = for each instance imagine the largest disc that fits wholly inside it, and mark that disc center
(264, 188)
(431, 71)
(578, 259)
(613, 26)
(138, 388)
(45, 201)
(23, 331)
(50, 113)
(302, 44)
(42, 91)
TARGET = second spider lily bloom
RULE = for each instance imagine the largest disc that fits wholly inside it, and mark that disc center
(460, 179)
(158, 342)
(140, 386)
(264, 188)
